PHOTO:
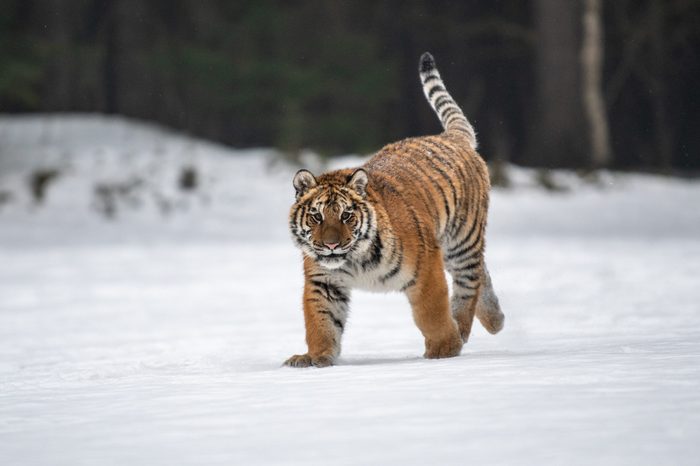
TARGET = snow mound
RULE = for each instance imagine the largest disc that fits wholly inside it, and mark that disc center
(121, 180)
(127, 181)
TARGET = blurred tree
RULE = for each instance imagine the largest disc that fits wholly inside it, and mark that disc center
(654, 67)
(657, 84)
(21, 64)
(340, 77)
(559, 139)
(592, 52)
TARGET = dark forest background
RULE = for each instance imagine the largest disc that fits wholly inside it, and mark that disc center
(341, 76)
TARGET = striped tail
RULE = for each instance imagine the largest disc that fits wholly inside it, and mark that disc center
(447, 110)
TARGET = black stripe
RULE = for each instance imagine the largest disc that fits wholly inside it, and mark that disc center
(392, 272)
(432, 77)
(365, 221)
(329, 291)
(296, 215)
(447, 178)
(452, 163)
(467, 255)
(465, 239)
(346, 272)
(430, 204)
(416, 224)
(441, 99)
(442, 156)
(449, 112)
(466, 267)
(386, 184)
(456, 230)
(395, 269)
(434, 89)
(454, 118)
(409, 283)
(463, 284)
(473, 251)
(442, 151)
(337, 322)
(376, 255)
(445, 202)
(295, 222)
(472, 277)
(466, 248)
(444, 102)
(302, 214)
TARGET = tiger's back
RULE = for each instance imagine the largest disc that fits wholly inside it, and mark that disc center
(440, 177)
(416, 208)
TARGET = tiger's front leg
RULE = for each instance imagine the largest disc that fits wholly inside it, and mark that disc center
(325, 314)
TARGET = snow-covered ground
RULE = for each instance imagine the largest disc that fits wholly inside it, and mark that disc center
(155, 335)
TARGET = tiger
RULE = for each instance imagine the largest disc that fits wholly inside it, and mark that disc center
(418, 207)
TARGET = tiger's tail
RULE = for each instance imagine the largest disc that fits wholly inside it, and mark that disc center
(451, 116)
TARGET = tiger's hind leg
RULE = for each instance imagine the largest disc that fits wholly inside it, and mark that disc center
(463, 252)
(431, 311)
(472, 295)
(488, 310)
(465, 295)
(466, 267)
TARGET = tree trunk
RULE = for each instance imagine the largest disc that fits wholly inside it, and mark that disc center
(59, 90)
(110, 70)
(559, 138)
(659, 95)
(592, 68)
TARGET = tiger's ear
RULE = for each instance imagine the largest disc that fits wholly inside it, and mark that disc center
(303, 181)
(358, 182)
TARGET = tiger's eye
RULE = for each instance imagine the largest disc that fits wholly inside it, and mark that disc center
(318, 217)
(346, 216)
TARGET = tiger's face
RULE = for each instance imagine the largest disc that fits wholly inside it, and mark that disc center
(331, 216)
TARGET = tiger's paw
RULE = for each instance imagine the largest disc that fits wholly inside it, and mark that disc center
(304, 360)
(298, 360)
(446, 348)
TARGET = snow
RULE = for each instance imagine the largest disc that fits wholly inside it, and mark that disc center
(156, 336)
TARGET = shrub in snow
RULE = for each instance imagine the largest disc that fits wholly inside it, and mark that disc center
(39, 182)
(545, 179)
(110, 196)
(189, 179)
(5, 197)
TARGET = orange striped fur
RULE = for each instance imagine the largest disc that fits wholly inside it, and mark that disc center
(416, 208)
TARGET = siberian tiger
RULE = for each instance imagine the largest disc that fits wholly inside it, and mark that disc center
(414, 209)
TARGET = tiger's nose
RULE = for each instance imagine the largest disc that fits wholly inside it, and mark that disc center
(331, 246)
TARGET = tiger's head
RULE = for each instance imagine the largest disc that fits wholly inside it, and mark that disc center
(332, 219)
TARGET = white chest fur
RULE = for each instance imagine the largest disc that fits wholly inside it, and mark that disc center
(375, 279)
